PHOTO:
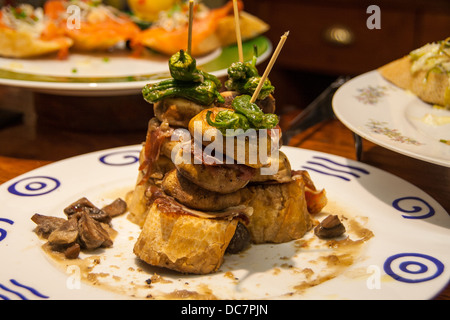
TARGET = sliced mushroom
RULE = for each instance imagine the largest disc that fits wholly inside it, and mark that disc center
(240, 241)
(72, 251)
(86, 227)
(46, 225)
(115, 208)
(91, 233)
(84, 204)
(66, 234)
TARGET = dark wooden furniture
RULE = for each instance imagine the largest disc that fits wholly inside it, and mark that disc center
(330, 38)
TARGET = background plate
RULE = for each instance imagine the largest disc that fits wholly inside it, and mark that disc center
(112, 73)
(393, 118)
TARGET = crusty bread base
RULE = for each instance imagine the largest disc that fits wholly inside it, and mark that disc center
(280, 212)
(85, 42)
(224, 35)
(250, 26)
(191, 244)
(207, 45)
(137, 203)
(431, 89)
(15, 44)
(199, 48)
(182, 242)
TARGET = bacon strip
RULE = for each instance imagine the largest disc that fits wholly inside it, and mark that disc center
(315, 200)
(152, 148)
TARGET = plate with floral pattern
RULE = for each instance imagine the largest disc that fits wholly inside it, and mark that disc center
(396, 244)
(393, 118)
(113, 73)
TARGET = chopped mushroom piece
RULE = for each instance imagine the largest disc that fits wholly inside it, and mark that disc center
(86, 227)
(84, 205)
(115, 208)
(46, 225)
(66, 234)
(92, 234)
(330, 227)
(240, 241)
(73, 251)
(78, 206)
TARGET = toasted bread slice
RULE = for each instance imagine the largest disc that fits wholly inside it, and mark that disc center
(431, 87)
(22, 44)
(251, 27)
(280, 212)
(183, 242)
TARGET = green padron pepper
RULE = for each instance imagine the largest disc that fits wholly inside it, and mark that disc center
(187, 82)
(244, 78)
(204, 93)
(228, 119)
(183, 67)
(241, 71)
(251, 111)
(245, 115)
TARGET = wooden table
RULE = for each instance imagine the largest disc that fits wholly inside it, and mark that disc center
(330, 137)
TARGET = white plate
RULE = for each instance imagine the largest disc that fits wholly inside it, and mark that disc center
(112, 73)
(407, 258)
(393, 118)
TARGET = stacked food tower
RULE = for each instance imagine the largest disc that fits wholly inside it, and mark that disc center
(212, 180)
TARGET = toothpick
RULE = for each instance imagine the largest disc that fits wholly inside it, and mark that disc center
(269, 66)
(191, 19)
(238, 30)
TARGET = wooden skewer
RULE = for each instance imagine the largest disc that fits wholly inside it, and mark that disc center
(191, 19)
(238, 30)
(269, 66)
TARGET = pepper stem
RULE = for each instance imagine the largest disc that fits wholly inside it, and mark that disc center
(182, 56)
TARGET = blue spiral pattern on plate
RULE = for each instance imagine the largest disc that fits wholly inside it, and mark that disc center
(34, 186)
(429, 210)
(16, 291)
(413, 267)
(3, 232)
(120, 158)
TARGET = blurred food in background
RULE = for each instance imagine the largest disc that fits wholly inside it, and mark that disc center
(425, 72)
(251, 27)
(212, 28)
(26, 32)
(148, 10)
(92, 25)
(97, 26)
